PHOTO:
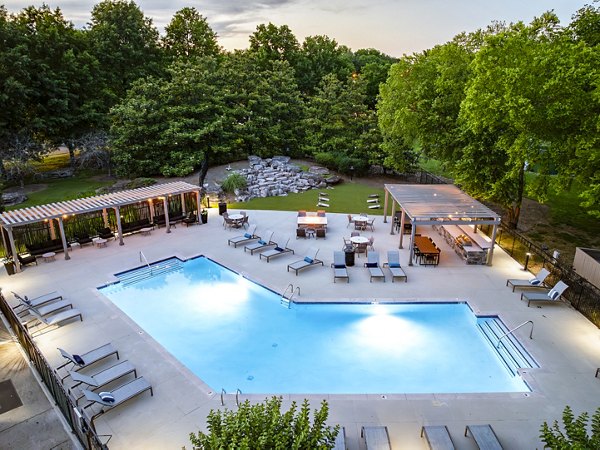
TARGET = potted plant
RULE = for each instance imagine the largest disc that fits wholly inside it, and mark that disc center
(204, 215)
(9, 265)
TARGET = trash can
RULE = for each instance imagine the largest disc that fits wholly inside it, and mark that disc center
(204, 216)
(10, 267)
(349, 255)
(222, 208)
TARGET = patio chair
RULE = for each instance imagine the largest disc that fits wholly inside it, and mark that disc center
(350, 221)
(117, 396)
(371, 224)
(225, 216)
(246, 237)
(550, 295)
(371, 242)
(50, 320)
(245, 221)
(484, 436)
(339, 266)
(361, 248)
(83, 238)
(301, 213)
(103, 377)
(347, 242)
(340, 440)
(106, 233)
(373, 265)
(393, 263)
(88, 358)
(277, 251)
(354, 233)
(438, 437)
(37, 301)
(536, 282)
(261, 244)
(376, 438)
(191, 219)
(300, 233)
(309, 260)
(47, 309)
(321, 233)
(25, 260)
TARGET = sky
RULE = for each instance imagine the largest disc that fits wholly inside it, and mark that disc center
(395, 27)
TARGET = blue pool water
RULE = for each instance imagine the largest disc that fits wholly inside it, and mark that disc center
(234, 334)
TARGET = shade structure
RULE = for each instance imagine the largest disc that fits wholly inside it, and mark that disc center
(438, 204)
(59, 210)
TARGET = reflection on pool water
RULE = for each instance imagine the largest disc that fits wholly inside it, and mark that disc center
(233, 333)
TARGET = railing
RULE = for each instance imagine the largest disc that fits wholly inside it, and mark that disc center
(238, 392)
(86, 436)
(223, 394)
(146, 260)
(287, 301)
(509, 332)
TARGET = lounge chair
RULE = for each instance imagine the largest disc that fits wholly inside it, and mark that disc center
(340, 440)
(278, 250)
(550, 295)
(37, 301)
(103, 377)
(393, 263)
(246, 237)
(535, 282)
(50, 320)
(308, 261)
(376, 438)
(25, 260)
(484, 436)
(438, 437)
(261, 244)
(339, 266)
(88, 358)
(119, 395)
(47, 309)
(373, 265)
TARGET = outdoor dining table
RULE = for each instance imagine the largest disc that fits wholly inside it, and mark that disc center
(360, 222)
(237, 218)
(428, 253)
(312, 221)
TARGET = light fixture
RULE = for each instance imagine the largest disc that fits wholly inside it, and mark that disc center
(527, 255)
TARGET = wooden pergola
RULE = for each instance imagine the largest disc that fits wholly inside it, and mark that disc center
(61, 210)
(437, 204)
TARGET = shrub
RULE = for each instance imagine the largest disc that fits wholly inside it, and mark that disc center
(326, 159)
(140, 182)
(234, 181)
(264, 426)
(576, 432)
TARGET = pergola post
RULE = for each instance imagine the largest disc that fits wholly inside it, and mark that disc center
(166, 205)
(13, 249)
(151, 209)
(198, 202)
(119, 226)
(412, 242)
(183, 203)
(402, 222)
(63, 238)
(385, 206)
(52, 230)
(490, 255)
(393, 215)
(105, 218)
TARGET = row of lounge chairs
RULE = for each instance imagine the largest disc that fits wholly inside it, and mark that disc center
(438, 437)
(96, 381)
(340, 270)
(267, 247)
(45, 311)
(541, 291)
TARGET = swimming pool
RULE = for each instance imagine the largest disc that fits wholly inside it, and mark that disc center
(233, 333)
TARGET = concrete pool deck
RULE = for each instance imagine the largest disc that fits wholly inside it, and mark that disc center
(565, 344)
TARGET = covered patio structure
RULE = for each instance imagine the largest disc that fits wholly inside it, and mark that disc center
(57, 213)
(437, 204)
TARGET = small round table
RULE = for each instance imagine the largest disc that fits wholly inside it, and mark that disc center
(99, 242)
(359, 240)
(49, 256)
(145, 231)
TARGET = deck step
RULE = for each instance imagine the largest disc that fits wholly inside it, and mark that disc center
(508, 348)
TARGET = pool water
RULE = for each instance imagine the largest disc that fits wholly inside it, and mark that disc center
(235, 334)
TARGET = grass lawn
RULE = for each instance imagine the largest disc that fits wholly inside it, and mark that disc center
(63, 189)
(347, 197)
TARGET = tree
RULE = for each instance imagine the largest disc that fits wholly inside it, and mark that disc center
(18, 153)
(189, 35)
(272, 43)
(94, 151)
(576, 436)
(321, 56)
(373, 66)
(264, 426)
(126, 46)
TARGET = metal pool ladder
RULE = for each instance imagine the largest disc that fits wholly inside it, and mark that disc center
(143, 258)
(287, 301)
(509, 332)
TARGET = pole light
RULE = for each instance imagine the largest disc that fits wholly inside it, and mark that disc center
(527, 255)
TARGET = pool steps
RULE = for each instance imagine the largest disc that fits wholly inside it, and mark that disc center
(509, 349)
(145, 272)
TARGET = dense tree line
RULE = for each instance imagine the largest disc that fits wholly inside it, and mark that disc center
(173, 103)
(498, 102)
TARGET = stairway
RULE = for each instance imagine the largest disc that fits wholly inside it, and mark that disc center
(145, 272)
(509, 349)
